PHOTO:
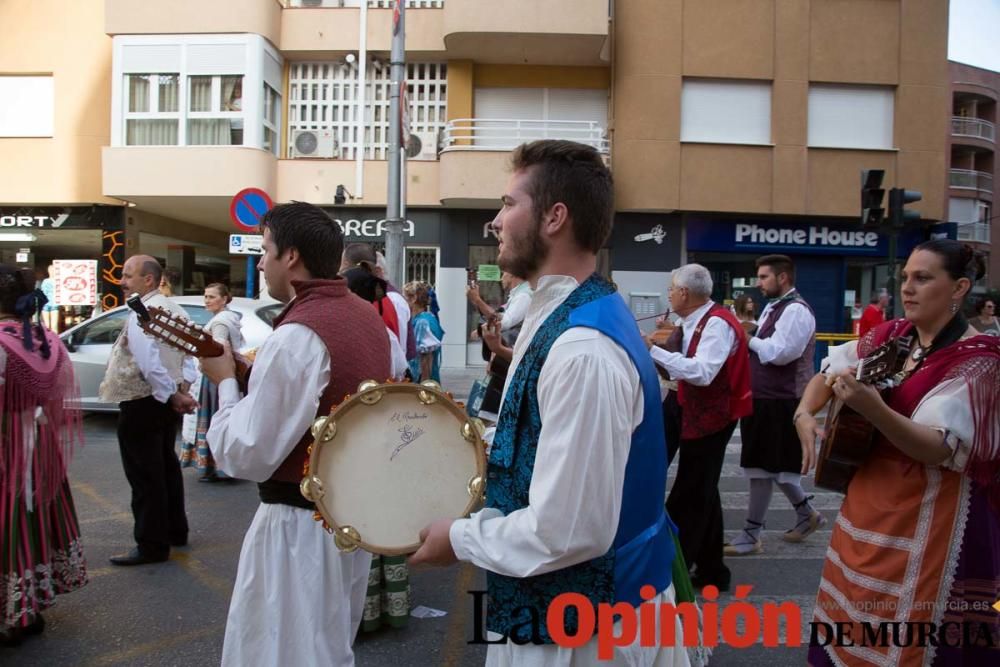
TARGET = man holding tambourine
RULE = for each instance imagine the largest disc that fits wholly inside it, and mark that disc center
(577, 468)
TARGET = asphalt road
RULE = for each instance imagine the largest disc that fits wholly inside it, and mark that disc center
(174, 613)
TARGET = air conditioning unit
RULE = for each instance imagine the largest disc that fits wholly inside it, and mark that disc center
(422, 146)
(314, 143)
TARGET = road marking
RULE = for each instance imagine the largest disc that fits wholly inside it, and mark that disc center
(200, 571)
(130, 655)
(95, 496)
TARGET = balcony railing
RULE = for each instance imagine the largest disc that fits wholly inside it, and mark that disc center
(973, 127)
(974, 231)
(967, 179)
(372, 4)
(499, 134)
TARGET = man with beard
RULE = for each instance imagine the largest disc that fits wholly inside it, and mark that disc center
(577, 468)
(781, 365)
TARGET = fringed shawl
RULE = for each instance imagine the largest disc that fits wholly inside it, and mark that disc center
(977, 361)
(39, 417)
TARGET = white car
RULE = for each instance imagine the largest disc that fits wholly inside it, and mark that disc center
(89, 343)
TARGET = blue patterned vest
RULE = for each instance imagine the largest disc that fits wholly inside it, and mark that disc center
(643, 548)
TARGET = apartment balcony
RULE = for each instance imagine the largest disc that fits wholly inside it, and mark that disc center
(193, 183)
(188, 17)
(528, 32)
(973, 127)
(968, 179)
(976, 232)
(476, 152)
(321, 28)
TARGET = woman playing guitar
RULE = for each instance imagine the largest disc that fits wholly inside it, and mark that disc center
(916, 539)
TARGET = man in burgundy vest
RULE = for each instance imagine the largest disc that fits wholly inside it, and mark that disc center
(297, 599)
(781, 365)
(713, 375)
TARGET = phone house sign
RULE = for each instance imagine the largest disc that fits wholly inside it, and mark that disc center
(808, 237)
(814, 235)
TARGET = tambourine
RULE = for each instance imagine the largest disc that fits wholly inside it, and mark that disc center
(391, 459)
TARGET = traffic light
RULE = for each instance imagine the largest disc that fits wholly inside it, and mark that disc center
(898, 199)
(871, 197)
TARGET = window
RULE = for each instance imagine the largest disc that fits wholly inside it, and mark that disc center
(28, 106)
(507, 117)
(152, 114)
(850, 116)
(195, 90)
(272, 119)
(102, 331)
(324, 96)
(215, 111)
(726, 112)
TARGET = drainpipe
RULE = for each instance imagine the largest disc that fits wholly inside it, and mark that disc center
(359, 155)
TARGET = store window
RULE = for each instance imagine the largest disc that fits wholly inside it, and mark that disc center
(153, 115)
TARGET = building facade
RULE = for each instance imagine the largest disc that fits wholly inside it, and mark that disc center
(734, 128)
(973, 167)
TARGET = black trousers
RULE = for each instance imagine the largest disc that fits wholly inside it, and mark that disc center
(147, 430)
(695, 504)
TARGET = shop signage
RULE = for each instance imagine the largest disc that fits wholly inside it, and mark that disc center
(655, 234)
(488, 273)
(75, 282)
(33, 221)
(52, 217)
(791, 238)
(369, 225)
(370, 228)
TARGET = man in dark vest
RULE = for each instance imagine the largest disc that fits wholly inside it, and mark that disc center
(577, 468)
(781, 365)
(297, 600)
(712, 369)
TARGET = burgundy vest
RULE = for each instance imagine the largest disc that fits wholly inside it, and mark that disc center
(709, 409)
(782, 382)
(356, 340)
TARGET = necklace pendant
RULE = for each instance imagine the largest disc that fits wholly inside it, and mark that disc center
(919, 352)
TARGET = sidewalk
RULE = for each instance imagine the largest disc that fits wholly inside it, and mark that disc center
(459, 380)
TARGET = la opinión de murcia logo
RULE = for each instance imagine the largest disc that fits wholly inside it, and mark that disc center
(737, 623)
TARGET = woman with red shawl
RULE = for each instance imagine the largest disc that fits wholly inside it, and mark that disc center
(40, 552)
(917, 540)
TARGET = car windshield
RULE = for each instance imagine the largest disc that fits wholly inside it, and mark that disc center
(105, 328)
(268, 313)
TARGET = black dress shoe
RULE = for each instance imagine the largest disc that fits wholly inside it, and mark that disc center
(136, 557)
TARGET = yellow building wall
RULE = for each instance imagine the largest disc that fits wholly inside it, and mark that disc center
(67, 40)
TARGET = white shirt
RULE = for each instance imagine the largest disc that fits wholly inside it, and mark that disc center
(718, 342)
(791, 334)
(297, 599)
(517, 307)
(146, 352)
(402, 315)
(590, 402)
(251, 437)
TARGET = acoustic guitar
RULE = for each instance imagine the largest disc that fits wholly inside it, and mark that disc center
(184, 335)
(849, 436)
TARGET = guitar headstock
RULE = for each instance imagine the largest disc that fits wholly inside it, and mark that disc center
(176, 331)
(880, 364)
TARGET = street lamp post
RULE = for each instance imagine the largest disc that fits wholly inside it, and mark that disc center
(394, 219)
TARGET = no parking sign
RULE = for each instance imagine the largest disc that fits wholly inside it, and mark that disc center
(248, 207)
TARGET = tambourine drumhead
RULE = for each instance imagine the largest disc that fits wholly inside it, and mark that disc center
(400, 456)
